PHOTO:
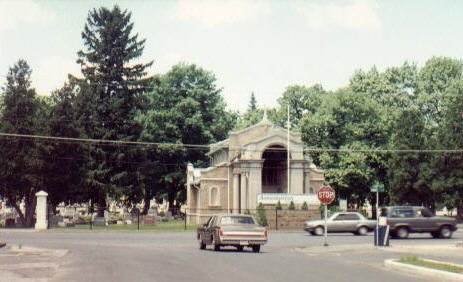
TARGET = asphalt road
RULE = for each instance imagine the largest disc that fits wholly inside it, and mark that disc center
(175, 256)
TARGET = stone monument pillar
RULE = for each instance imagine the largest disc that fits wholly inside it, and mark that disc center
(41, 211)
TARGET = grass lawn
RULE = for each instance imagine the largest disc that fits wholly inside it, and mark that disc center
(414, 260)
(176, 225)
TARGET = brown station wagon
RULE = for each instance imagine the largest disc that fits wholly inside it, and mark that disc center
(239, 230)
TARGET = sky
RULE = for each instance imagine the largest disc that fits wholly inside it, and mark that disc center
(254, 46)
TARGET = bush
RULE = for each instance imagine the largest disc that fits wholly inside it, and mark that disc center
(305, 207)
(261, 217)
(291, 206)
(331, 209)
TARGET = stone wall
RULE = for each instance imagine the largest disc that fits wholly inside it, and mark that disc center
(290, 219)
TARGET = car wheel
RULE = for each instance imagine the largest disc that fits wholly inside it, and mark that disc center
(402, 232)
(202, 246)
(445, 232)
(216, 245)
(319, 231)
(435, 234)
(239, 248)
(362, 230)
(256, 248)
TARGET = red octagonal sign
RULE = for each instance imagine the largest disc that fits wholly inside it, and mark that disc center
(326, 195)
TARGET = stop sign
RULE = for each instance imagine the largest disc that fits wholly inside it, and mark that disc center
(326, 195)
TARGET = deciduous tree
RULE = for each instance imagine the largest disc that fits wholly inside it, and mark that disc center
(185, 107)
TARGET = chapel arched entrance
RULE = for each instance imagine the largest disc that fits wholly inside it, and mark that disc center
(274, 170)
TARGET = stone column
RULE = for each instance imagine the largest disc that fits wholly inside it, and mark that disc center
(244, 193)
(236, 193)
(297, 177)
(41, 211)
(255, 183)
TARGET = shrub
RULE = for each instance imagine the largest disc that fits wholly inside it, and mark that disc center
(305, 207)
(261, 217)
(291, 206)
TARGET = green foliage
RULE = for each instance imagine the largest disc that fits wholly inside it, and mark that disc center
(108, 99)
(302, 101)
(252, 103)
(22, 166)
(304, 206)
(407, 174)
(448, 186)
(403, 108)
(330, 209)
(291, 206)
(415, 260)
(65, 177)
(350, 122)
(261, 217)
(184, 107)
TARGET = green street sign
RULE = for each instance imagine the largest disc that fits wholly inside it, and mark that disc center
(377, 188)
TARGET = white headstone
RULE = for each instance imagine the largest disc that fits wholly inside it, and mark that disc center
(41, 211)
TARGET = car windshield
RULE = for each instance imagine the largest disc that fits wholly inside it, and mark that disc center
(228, 220)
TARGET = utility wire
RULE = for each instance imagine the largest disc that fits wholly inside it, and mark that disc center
(214, 146)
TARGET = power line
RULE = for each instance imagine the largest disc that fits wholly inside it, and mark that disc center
(202, 147)
(102, 141)
(385, 151)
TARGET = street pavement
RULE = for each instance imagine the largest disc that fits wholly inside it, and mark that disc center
(175, 256)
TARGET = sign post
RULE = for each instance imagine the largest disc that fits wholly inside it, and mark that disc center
(326, 196)
(377, 188)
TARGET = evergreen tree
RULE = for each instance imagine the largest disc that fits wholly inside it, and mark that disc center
(21, 165)
(110, 95)
(65, 173)
(252, 103)
(253, 115)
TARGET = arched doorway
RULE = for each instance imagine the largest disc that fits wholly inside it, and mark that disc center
(274, 170)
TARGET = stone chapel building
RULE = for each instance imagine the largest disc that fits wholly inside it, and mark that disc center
(249, 167)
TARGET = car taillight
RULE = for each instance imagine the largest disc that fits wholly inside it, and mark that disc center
(220, 233)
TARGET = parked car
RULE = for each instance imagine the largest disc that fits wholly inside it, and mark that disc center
(239, 230)
(403, 220)
(353, 222)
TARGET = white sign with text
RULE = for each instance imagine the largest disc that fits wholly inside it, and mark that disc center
(273, 198)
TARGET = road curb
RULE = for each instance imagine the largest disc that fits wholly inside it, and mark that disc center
(422, 271)
(18, 230)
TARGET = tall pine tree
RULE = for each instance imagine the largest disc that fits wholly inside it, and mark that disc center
(111, 93)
